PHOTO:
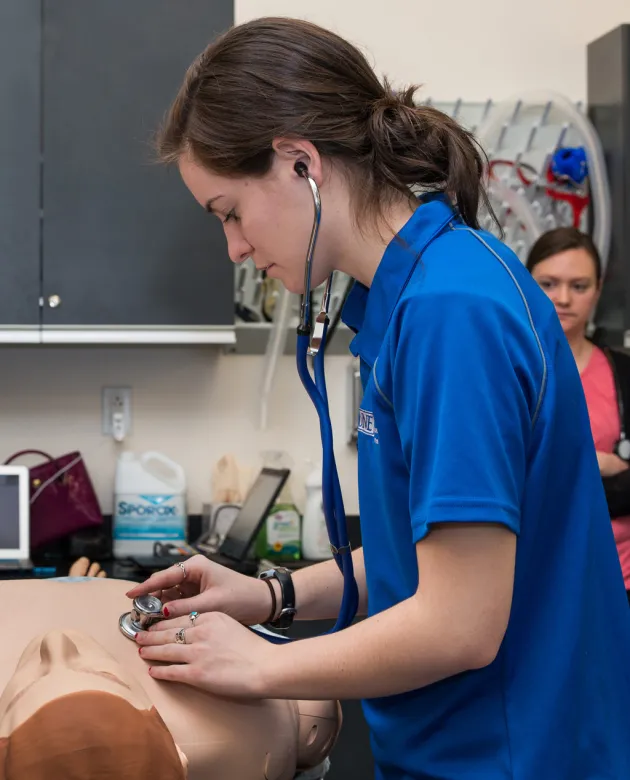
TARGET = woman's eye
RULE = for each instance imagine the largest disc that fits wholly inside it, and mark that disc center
(230, 215)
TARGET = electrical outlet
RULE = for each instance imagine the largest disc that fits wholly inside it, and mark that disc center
(116, 410)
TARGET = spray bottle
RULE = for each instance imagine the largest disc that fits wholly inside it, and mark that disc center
(315, 541)
(279, 537)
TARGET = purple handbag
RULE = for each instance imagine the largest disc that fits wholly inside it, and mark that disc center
(62, 497)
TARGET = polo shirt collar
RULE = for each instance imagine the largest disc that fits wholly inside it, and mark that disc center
(367, 311)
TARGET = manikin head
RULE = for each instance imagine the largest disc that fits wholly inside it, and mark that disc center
(566, 264)
(70, 712)
(275, 91)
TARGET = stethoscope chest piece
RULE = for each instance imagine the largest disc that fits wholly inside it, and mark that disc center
(146, 611)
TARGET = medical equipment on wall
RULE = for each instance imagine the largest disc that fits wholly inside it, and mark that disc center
(544, 150)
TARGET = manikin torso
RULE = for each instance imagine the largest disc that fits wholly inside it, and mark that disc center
(221, 738)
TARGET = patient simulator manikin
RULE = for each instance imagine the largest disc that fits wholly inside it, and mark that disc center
(76, 695)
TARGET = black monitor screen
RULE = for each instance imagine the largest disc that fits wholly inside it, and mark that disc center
(255, 509)
(9, 512)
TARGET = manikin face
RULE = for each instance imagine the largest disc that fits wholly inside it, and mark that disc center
(61, 663)
(268, 219)
(569, 279)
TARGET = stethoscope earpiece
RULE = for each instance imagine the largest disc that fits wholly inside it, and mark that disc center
(301, 169)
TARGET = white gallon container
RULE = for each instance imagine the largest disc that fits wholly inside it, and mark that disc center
(149, 503)
(315, 542)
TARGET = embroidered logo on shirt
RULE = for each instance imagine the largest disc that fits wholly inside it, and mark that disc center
(366, 423)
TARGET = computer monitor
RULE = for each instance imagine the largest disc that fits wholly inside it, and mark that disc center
(14, 513)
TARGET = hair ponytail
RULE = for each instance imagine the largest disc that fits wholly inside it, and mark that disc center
(421, 146)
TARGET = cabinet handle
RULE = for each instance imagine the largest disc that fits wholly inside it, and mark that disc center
(54, 301)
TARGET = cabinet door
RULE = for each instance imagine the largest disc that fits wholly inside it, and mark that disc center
(124, 243)
(608, 99)
(20, 26)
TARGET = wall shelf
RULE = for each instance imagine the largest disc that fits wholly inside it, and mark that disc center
(252, 338)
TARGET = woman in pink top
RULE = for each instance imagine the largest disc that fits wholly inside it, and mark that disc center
(567, 266)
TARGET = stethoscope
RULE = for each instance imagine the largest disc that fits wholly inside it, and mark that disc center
(311, 342)
(145, 611)
(314, 345)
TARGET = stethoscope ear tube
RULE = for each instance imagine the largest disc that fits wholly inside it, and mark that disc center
(331, 490)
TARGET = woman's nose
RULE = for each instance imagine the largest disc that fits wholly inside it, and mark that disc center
(562, 296)
(239, 249)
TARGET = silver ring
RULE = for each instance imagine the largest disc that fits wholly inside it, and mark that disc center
(193, 616)
(183, 568)
(180, 637)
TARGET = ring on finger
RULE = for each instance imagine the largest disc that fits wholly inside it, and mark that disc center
(183, 568)
(180, 637)
(193, 616)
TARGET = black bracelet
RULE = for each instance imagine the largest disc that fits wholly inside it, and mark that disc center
(287, 610)
(274, 603)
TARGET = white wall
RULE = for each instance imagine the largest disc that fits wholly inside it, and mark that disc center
(474, 49)
(193, 403)
(196, 405)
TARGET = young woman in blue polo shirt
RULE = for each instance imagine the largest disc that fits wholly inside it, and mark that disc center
(497, 639)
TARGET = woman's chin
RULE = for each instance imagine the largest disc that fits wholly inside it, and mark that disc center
(291, 282)
(292, 285)
(571, 328)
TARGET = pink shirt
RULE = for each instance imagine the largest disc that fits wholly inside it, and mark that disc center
(603, 412)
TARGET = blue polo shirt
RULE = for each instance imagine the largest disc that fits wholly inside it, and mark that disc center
(473, 411)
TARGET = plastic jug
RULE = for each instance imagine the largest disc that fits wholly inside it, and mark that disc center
(149, 505)
(315, 542)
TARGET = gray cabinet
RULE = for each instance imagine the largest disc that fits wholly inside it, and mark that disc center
(608, 80)
(122, 249)
(19, 164)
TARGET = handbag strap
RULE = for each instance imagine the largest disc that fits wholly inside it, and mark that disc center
(19, 454)
(54, 477)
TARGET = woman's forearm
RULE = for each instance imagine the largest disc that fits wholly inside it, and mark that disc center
(318, 589)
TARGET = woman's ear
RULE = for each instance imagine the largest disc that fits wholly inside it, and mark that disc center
(292, 150)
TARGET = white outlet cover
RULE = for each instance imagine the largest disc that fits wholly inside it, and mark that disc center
(115, 399)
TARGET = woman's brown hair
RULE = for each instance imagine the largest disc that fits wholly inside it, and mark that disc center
(277, 77)
(562, 239)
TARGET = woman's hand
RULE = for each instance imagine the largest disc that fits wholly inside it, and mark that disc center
(208, 587)
(220, 655)
(610, 464)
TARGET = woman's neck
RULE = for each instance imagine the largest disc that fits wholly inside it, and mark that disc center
(582, 349)
(361, 252)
